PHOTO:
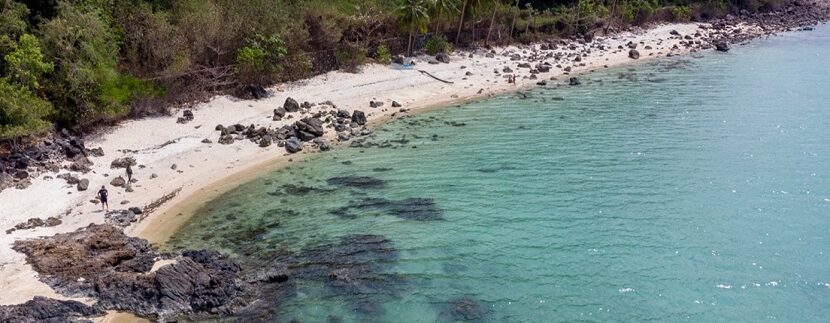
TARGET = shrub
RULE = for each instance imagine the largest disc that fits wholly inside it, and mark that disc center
(297, 66)
(438, 44)
(21, 112)
(350, 57)
(259, 60)
(682, 13)
(382, 55)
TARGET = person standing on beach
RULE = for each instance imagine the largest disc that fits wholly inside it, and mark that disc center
(129, 174)
(102, 195)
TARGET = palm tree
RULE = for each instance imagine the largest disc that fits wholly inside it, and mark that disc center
(496, 4)
(467, 7)
(412, 14)
(441, 6)
(515, 15)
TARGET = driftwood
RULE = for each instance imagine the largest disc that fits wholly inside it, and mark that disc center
(433, 76)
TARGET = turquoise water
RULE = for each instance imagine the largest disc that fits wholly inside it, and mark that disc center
(689, 189)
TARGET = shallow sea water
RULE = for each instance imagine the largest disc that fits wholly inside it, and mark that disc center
(693, 188)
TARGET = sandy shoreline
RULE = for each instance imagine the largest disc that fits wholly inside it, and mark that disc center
(205, 171)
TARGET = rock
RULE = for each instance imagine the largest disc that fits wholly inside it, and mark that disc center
(359, 117)
(343, 136)
(257, 91)
(443, 58)
(322, 144)
(674, 32)
(293, 145)
(375, 104)
(97, 152)
(219, 127)
(309, 128)
(291, 105)
(118, 182)
(42, 309)
(279, 113)
(123, 162)
(574, 81)
(265, 141)
(83, 185)
(225, 139)
(462, 310)
(633, 54)
(395, 104)
(81, 164)
(135, 210)
(507, 70)
(722, 46)
(21, 174)
(207, 141)
(343, 113)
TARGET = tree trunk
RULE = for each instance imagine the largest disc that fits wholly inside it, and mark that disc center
(409, 44)
(461, 23)
(515, 15)
(492, 20)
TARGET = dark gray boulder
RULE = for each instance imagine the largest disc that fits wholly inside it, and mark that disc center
(293, 145)
(633, 54)
(291, 105)
(359, 117)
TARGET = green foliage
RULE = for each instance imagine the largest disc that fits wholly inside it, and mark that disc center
(682, 13)
(21, 112)
(25, 63)
(297, 66)
(122, 90)
(639, 10)
(260, 58)
(350, 57)
(382, 55)
(438, 44)
(87, 49)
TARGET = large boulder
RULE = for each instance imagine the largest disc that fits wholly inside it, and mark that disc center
(83, 185)
(257, 91)
(123, 162)
(633, 54)
(293, 145)
(359, 117)
(443, 58)
(118, 182)
(291, 105)
(722, 46)
(309, 128)
(574, 81)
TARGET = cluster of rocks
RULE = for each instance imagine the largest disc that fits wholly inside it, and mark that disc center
(18, 166)
(35, 223)
(310, 128)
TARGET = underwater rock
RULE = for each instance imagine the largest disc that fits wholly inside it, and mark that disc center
(362, 182)
(417, 209)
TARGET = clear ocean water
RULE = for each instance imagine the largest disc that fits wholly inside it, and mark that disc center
(692, 188)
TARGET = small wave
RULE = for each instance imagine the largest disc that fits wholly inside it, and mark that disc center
(723, 286)
(626, 290)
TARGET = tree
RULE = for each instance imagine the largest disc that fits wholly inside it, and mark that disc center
(86, 47)
(25, 63)
(439, 7)
(21, 112)
(496, 4)
(412, 14)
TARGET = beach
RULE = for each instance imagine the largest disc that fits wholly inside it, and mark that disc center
(173, 160)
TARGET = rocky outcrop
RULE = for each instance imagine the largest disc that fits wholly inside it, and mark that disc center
(309, 128)
(359, 117)
(103, 263)
(42, 309)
